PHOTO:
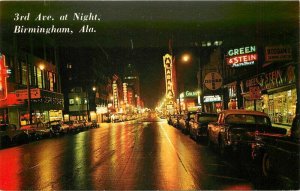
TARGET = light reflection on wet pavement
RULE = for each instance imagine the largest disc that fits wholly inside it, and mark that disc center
(120, 156)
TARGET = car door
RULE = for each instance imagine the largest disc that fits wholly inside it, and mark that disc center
(215, 128)
(285, 155)
(192, 123)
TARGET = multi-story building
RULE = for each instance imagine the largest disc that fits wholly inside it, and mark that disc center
(35, 71)
(131, 78)
(87, 92)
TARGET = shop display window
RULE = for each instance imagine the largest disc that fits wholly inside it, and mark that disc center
(249, 105)
(282, 107)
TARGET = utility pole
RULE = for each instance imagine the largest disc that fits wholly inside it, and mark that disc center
(200, 83)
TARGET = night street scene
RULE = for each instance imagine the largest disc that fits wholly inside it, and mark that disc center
(149, 95)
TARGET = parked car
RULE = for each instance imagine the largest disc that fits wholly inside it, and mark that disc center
(85, 124)
(9, 134)
(236, 129)
(55, 127)
(175, 120)
(278, 156)
(71, 126)
(184, 123)
(94, 124)
(171, 119)
(29, 130)
(37, 130)
(199, 125)
(75, 126)
(64, 127)
(80, 124)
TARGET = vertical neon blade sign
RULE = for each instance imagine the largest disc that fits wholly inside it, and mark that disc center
(3, 77)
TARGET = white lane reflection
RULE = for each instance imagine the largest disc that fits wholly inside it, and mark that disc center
(173, 172)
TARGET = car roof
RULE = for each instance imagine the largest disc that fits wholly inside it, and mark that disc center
(242, 111)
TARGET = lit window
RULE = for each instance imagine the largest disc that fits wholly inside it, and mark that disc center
(71, 101)
(39, 78)
(69, 66)
(78, 100)
(24, 73)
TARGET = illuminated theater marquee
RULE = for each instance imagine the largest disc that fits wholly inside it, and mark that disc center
(243, 56)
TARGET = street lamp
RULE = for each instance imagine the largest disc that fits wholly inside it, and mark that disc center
(200, 84)
(78, 106)
(28, 94)
(88, 101)
(186, 58)
(42, 66)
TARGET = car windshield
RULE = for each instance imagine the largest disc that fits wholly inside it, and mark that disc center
(247, 119)
(207, 118)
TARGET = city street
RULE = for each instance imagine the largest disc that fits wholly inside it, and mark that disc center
(149, 95)
(132, 155)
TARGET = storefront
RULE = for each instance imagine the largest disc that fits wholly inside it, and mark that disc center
(232, 95)
(282, 106)
(101, 113)
(45, 106)
(273, 92)
(188, 101)
(212, 103)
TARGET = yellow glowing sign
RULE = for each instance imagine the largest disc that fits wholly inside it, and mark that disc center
(167, 60)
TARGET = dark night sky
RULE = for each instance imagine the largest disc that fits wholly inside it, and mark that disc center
(150, 25)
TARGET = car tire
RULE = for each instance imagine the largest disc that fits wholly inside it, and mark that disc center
(265, 166)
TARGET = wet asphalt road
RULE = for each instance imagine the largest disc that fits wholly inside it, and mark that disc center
(141, 155)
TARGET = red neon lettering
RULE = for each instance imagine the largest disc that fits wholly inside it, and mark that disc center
(241, 59)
